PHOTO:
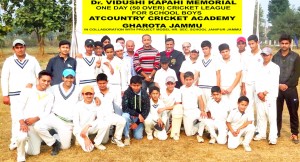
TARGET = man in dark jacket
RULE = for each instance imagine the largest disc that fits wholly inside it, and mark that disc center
(289, 63)
(136, 107)
(176, 58)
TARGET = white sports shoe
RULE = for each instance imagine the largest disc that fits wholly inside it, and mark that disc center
(100, 147)
(12, 146)
(200, 139)
(258, 138)
(273, 142)
(176, 137)
(247, 148)
(150, 137)
(212, 141)
(119, 143)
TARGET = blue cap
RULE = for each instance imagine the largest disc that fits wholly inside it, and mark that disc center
(68, 72)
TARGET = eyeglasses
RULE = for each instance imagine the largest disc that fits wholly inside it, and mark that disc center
(88, 94)
(186, 46)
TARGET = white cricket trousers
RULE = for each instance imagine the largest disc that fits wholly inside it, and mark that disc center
(248, 132)
(14, 121)
(267, 111)
(233, 96)
(119, 122)
(212, 126)
(177, 115)
(149, 127)
(33, 141)
(189, 116)
(206, 95)
(250, 93)
(99, 129)
(63, 129)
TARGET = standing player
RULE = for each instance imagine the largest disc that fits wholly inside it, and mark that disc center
(191, 102)
(126, 64)
(239, 123)
(146, 62)
(35, 104)
(231, 72)
(62, 61)
(289, 63)
(241, 45)
(190, 65)
(128, 55)
(186, 46)
(266, 89)
(209, 71)
(171, 97)
(163, 73)
(19, 66)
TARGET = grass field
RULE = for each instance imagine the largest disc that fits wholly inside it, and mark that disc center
(186, 149)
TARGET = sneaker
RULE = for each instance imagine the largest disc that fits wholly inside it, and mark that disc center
(295, 138)
(176, 137)
(150, 137)
(258, 138)
(55, 148)
(272, 142)
(12, 146)
(247, 148)
(127, 141)
(212, 141)
(200, 139)
(119, 143)
(100, 147)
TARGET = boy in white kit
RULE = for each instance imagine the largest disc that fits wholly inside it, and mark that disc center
(191, 101)
(18, 66)
(209, 71)
(231, 72)
(87, 66)
(190, 64)
(217, 111)
(88, 120)
(163, 73)
(156, 120)
(171, 97)
(126, 64)
(108, 97)
(66, 96)
(240, 122)
(266, 89)
(34, 104)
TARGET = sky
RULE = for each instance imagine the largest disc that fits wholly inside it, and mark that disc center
(264, 4)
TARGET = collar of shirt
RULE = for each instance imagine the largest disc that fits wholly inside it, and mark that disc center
(15, 56)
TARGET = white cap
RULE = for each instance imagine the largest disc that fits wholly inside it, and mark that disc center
(118, 47)
(18, 41)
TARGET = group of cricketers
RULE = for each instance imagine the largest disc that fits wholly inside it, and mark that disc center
(113, 92)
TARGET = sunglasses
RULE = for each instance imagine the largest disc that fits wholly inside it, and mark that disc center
(88, 94)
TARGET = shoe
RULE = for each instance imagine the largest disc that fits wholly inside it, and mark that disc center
(119, 143)
(295, 138)
(247, 148)
(258, 138)
(272, 142)
(12, 146)
(150, 137)
(55, 148)
(200, 139)
(212, 141)
(100, 147)
(176, 137)
(127, 141)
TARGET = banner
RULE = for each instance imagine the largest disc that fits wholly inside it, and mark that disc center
(230, 19)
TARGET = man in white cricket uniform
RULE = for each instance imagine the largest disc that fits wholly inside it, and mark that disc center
(208, 71)
(266, 89)
(191, 65)
(88, 120)
(19, 66)
(156, 120)
(163, 73)
(240, 122)
(231, 72)
(217, 110)
(109, 98)
(171, 97)
(66, 95)
(191, 97)
(34, 104)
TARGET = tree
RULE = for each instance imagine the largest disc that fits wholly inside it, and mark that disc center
(261, 22)
(38, 16)
(288, 23)
(276, 8)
